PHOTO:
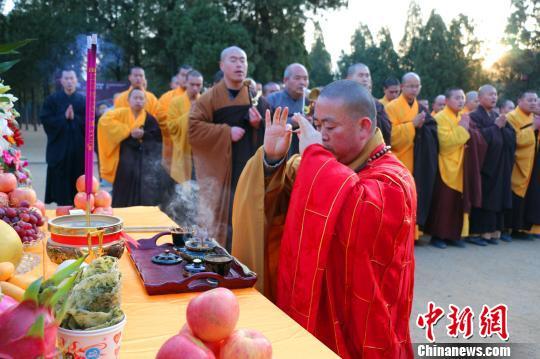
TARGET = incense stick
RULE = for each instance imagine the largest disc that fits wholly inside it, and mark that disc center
(89, 120)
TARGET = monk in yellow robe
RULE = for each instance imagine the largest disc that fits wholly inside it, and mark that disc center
(137, 80)
(129, 144)
(163, 111)
(446, 214)
(438, 105)
(414, 141)
(343, 265)
(178, 125)
(391, 90)
(521, 120)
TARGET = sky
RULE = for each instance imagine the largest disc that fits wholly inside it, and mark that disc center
(489, 17)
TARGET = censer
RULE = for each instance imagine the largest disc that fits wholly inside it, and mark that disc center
(72, 237)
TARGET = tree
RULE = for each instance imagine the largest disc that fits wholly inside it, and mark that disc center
(380, 56)
(277, 31)
(413, 27)
(519, 68)
(320, 62)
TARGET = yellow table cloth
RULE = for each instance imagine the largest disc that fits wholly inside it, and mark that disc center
(151, 320)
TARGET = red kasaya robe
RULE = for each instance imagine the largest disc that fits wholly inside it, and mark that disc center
(346, 262)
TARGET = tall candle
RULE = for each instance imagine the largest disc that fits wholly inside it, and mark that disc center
(90, 118)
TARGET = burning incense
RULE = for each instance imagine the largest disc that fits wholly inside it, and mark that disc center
(90, 118)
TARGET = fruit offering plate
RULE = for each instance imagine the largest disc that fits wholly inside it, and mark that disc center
(172, 278)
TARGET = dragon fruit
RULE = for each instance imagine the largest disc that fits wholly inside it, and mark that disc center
(31, 326)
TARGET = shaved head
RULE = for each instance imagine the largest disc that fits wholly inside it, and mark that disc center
(410, 76)
(345, 116)
(360, 73)
(355, 99)
(231, 50)
(471, 96)
(410, 86)
(438, 103)
(485, 89)
(355, 67)
(487, 97)
(289, 70)
(234, 65)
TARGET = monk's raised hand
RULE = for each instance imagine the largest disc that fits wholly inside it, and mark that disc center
(277, 134)
(137, 133)
(255, 117)
(237, 133)
(418, 121)
(536, 122)
(307, 135)
(465, 121)
(70, 115)
(501, 121)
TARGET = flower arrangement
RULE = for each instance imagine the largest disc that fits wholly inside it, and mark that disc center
(11, 139)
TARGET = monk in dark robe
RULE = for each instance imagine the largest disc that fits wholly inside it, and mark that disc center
(130, 146)
(360, 73)
(487, 221)
(414, 141)
(447, 219)
(522, 121)
(225, 130)
(532, 205)
(63, 119)
(343, 266)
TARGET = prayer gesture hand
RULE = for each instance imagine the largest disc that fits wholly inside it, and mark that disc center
(70, 114)
(277, 135)
(308, 135)
(465, 121)
(501, 121)
(137, 133)
(237, 133)
(419, 120)
(255, 117)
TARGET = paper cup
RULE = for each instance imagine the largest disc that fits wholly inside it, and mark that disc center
(91, 344)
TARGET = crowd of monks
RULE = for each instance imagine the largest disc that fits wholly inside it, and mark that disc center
(322, 193)
(475, 166)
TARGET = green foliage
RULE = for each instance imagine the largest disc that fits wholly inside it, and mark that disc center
(443, 56)
(519, 68)
(157, 35)
(319, 61)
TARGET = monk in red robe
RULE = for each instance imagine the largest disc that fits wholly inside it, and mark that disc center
(343, 266)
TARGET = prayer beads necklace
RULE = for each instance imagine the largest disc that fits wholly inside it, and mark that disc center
(378, 154)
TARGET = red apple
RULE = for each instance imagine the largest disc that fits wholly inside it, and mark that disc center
(22, 194)
(215, 347)
(103, 210)
(80, 201)
(184, 346)
(103, 199)
(81, 187)
(63, 210)
(212, 315)
(246, 344)
(4, 199)
(8, 182)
